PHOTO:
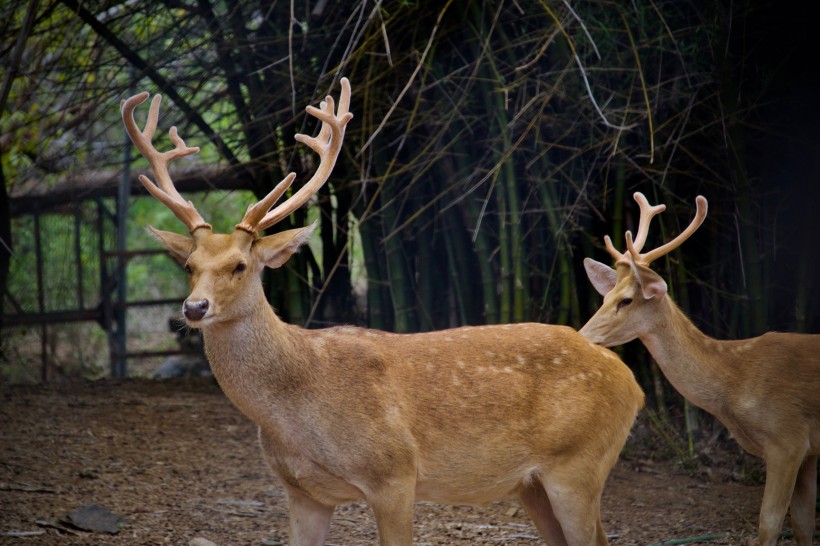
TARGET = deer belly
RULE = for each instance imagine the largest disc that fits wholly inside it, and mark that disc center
(479, 477)
(464, 488)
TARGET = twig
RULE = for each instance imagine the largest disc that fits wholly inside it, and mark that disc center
(26, 488)
(643, 88)
(584, 28)
(290, 62)
(21, 534)
(410, 81)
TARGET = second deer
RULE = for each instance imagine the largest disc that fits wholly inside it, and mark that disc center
(765, 390)
(467, 415)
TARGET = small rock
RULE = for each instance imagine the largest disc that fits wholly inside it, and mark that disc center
(201, 541)
(90, 473)
(94, 518)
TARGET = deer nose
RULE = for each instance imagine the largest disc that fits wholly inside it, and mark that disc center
(195, 310)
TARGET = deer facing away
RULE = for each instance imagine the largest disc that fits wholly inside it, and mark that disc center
(765, 390)
(466, 415)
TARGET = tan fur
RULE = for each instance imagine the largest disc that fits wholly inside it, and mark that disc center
(765, 390)
(467, 415)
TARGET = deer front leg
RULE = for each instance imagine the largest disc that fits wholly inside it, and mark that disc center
(309, 520)
(804, 500)
(781, 472)
(393, 507)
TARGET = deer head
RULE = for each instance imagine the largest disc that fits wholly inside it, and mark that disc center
(224, 269)
(631, 290)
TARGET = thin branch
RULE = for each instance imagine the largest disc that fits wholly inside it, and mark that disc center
(410, 81)
(290, 61)
(643, 88)
(134, 58)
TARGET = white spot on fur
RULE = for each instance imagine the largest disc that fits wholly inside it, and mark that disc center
(520, 359)
(609, 354)
(557, 360)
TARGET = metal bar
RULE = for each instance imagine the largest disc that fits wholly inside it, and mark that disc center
(78, 262)
(150, 303)
(52, 317)
(129, 254)
(38, 255)
(82, 315)
(106, 306)
(121, 311)
(149, 354)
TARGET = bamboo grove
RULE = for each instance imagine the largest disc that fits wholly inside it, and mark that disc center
(494, 144)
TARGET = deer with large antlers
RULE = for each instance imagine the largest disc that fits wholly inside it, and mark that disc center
(765, 390)
(466, 415)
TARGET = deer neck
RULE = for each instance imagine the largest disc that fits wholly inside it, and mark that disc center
(694, 363)
(257, 359)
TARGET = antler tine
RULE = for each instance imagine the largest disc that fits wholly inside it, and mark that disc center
(256, 212)
(164, 190)
(328, 144)
(618, 256)
(651, 256)
(647, 213)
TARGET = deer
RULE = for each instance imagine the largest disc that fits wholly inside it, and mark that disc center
(765, 390)
(466, 415)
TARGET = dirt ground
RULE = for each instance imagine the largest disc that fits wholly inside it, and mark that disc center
(176, 461)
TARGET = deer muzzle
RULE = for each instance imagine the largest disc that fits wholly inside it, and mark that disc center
(195, 310)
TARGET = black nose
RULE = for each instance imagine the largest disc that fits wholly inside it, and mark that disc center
(195, 310)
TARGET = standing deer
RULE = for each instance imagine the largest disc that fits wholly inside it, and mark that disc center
(466, 415)
(765, 390)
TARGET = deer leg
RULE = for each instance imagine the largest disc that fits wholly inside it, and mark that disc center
(309, 520)
(534, 498)
(781, 472)
(804, 500)
(393, 507)
(576, 503)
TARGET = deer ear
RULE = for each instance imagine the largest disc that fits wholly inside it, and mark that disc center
(652, 285)
(602, 277)
(274, 250)
(178, 245)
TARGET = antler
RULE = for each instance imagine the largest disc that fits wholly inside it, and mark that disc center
(164, 189)
(647, 213)
(328, 144)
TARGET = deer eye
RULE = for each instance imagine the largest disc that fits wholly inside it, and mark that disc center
(623, 303)
(188, 269)
(240, 267)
